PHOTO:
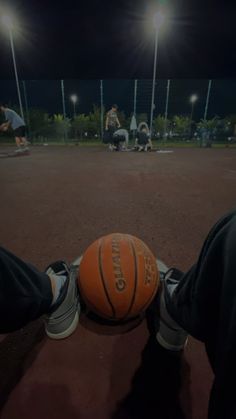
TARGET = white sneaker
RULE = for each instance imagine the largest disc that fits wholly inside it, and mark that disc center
(170, 335)
(63, 318)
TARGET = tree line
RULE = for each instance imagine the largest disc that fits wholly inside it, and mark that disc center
(83, 127)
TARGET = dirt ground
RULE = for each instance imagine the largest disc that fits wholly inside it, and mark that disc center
(54, 203)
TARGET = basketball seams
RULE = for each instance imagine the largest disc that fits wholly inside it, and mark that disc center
(135, 276)
(147, 303)
(90, 306)
(103, 279)
(106, 303)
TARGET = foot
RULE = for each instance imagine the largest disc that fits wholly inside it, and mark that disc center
(169, 335)
(24, 148)
(62, 321)
(112, 147)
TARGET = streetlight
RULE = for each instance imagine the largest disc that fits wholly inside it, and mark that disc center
(8, 23)
(74, 100)
(159, 19)
(193, 100)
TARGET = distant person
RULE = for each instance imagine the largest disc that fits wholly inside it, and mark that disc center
(112, 122)
(120, 140)
(14, 121)
(143, 140)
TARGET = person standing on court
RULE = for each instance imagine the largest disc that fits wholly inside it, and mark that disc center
(17, 123)
(112, 122)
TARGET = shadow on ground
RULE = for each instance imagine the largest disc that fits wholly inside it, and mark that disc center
(156, 386)
(17, 353)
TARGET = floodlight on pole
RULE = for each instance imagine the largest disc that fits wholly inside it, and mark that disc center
(193, 100)
(74, 100)
(7, 21)
(159, 19)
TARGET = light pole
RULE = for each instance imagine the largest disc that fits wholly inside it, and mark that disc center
(166, 109)
(26, 106)
(135, 96)
(158, 21)
(133, 119)
(102, 108)
(74, 100)
(8, 23)
(193, 99)
(207, 99)
(64, 109)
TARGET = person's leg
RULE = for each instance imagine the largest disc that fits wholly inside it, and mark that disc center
(136, 145)
(111, 132)
(23, 141)
(20, 138)
(203, 302)
(149, 144)
(26, 294)
(116, 142)
(18, 142)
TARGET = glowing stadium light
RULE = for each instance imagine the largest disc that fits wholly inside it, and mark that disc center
(159, 19)
(74, 100)
(193, 98)
(7, 21)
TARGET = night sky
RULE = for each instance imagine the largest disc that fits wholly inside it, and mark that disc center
(113, 40)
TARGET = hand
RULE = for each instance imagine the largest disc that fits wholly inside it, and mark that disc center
(3, 127)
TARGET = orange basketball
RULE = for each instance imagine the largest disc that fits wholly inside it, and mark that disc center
(118, 276)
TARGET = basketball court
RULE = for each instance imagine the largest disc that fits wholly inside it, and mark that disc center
(57, 201)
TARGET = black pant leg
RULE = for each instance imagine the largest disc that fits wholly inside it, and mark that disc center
(25, 293)
(204, 304)
(111, 131)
